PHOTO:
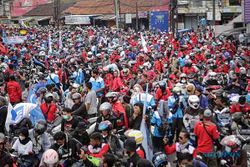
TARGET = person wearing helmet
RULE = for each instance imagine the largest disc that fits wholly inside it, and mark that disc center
(5, 158)
(106, 114)
(130, 152)
(236, 85)
(3, 113)
(40, 139)
(176, 105)
(105, 127)
(162, 92)
(49, 108)
(192, 113)
(207, 136)
(211, 79)
(160, 159)
(14, 90)
(118, 110)
(188, 69)
(233, 154)
(50, 158)
(79, 108)
(138, 137)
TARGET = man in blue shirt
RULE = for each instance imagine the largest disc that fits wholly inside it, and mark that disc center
(97, 83)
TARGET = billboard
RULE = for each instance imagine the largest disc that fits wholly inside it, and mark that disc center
(247, 11)
(20, 7)
(77, 19)
(159, 20)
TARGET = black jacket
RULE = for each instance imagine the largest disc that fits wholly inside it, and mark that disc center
(3, 115)
(135, 123)
(132, 161)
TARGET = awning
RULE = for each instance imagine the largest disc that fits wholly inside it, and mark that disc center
(106, 17)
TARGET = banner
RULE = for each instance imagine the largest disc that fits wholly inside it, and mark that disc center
(159, 20)
(16, 40)
(146, 143)
(77, 19)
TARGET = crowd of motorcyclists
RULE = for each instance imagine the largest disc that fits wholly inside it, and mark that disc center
(97, 86)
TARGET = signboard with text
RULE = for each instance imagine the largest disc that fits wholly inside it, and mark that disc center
(159, 20)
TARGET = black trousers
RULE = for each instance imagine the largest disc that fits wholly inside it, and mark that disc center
(177, 127)
(157, 144)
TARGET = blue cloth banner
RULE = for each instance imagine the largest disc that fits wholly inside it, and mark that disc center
(159, 20)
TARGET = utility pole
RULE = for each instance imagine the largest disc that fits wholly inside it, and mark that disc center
(213, 12)
(137, 17)
(57, 4)
(173, 15)
(116, 14)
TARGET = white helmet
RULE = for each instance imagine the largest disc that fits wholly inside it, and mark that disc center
(194, 101)
(106, 106)
(212, 75)
(177, 90)
(50, 157)
(136, 134)
(243, 70)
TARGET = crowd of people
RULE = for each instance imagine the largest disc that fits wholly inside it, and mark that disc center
(116, 98)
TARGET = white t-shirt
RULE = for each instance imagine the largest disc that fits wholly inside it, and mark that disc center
(23, 149)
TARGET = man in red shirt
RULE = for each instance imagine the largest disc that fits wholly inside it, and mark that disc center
(14, 90)
(49, 108)
(207, 134)
(241, 106)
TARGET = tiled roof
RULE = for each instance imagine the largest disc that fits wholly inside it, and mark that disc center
(48, 9)
(89, 7)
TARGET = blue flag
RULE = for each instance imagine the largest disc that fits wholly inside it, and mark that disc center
(32, 97)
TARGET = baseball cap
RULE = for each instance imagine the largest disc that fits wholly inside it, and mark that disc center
(207, 113)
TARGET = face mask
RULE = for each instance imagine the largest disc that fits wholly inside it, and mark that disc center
(21, 137)
(183, 81)
(66, 117)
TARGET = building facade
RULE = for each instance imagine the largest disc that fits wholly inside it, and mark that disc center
(190, 12)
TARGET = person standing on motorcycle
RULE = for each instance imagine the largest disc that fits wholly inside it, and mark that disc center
(67, 148)
(105, 127)
(14, 90)
(49, 108)
(176, 105)
(106, 114)
(91, 101)
(207, 136)
(5, 158)
(233, 155)
(69, 122)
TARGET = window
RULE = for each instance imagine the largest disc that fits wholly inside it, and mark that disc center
(234, 2)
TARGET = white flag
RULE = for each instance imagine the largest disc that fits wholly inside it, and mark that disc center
(50, 43)
(11, 115)
(60, 40)
(144, 44)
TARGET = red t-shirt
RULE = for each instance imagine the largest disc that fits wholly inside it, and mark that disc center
(49, 113)
(205, 143)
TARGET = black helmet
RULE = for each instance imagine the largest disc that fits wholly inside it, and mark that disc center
(242, 100)
(160, 159)
(130, 144)
(40, 127)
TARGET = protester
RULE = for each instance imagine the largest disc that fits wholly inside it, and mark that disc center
(85, 77)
